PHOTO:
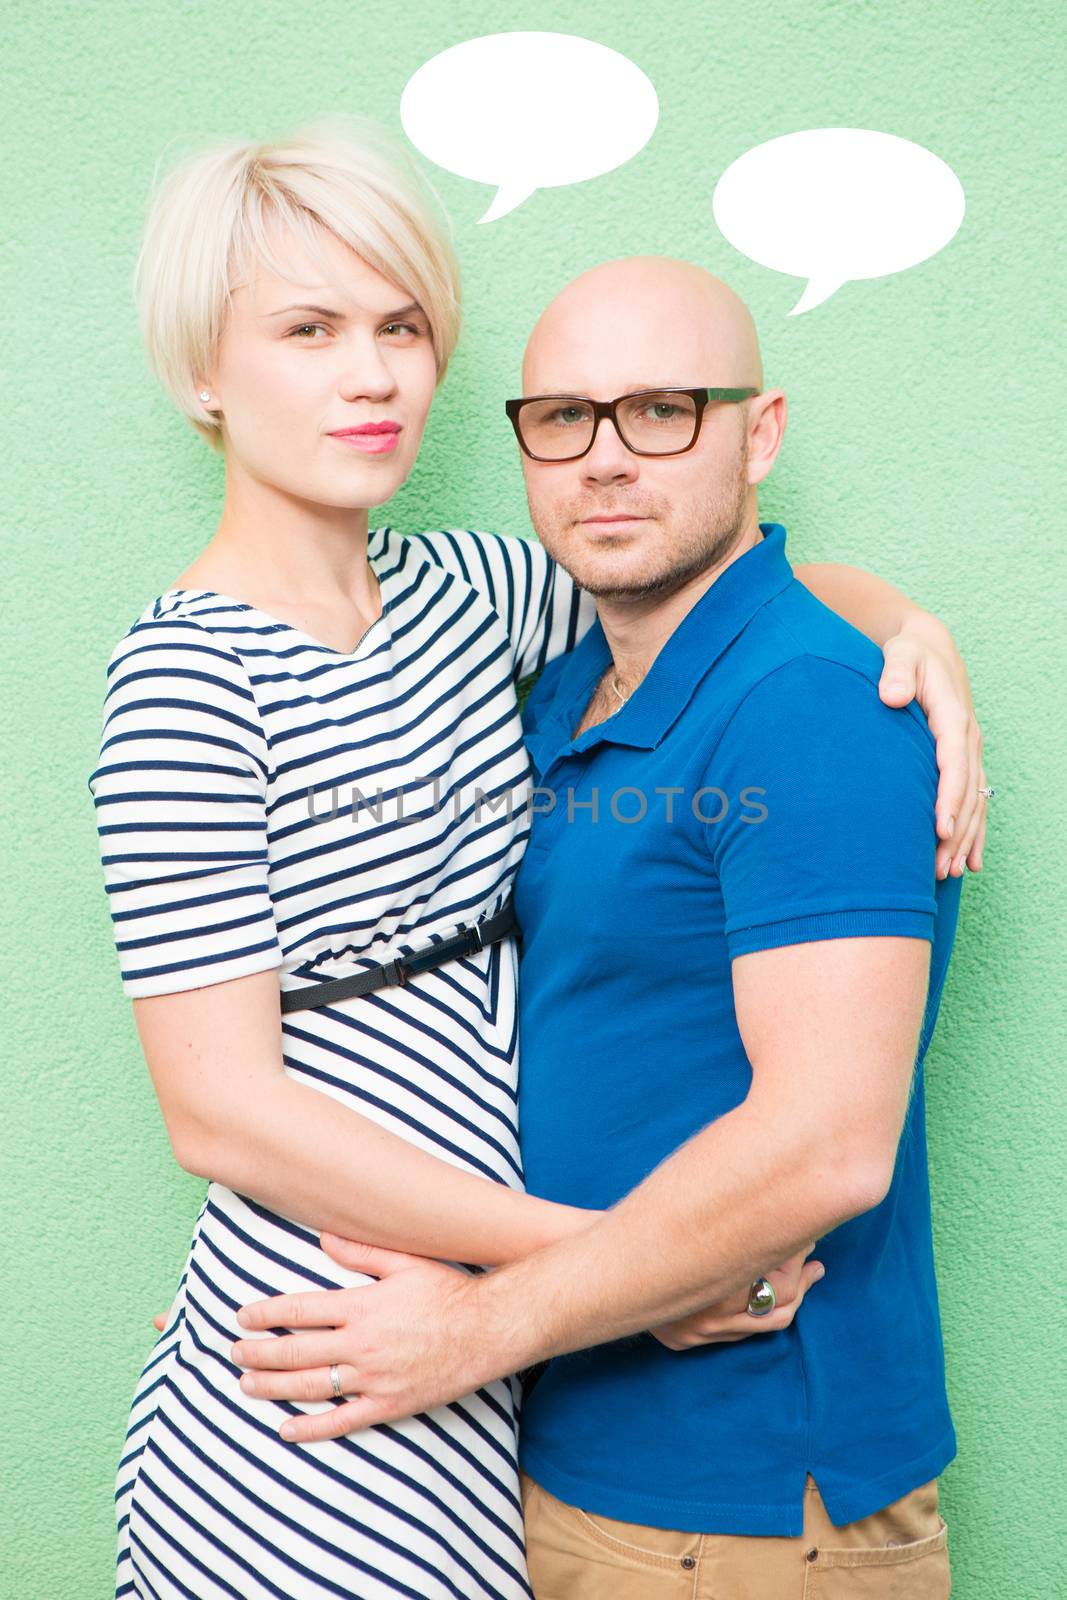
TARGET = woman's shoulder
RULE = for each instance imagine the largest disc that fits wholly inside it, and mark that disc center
(183, 618)
(512, 573)
(543, 610)
(472, 553)
(169, 678)
(179, 643)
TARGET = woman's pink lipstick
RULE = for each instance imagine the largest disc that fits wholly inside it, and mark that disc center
(372, 438)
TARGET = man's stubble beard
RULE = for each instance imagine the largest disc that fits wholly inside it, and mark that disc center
(717, 532)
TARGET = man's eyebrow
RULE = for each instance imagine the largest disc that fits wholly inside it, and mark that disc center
(339, 316)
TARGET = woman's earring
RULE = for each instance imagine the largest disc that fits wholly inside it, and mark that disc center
(205, 394)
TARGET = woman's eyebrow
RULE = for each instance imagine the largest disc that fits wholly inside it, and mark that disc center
(339, 316)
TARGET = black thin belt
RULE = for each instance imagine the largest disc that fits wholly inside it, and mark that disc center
(464, 943)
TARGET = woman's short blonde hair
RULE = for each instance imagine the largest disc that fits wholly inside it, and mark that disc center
(209, 225)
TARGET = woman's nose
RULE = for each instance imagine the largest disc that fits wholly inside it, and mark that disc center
(366, 372)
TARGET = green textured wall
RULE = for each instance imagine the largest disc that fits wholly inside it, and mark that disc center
(924, 413)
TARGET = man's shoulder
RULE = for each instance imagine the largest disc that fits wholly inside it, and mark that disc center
(807, 669)
(795, 621)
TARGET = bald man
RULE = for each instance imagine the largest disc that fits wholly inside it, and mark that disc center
(735, 946)
(736, 933)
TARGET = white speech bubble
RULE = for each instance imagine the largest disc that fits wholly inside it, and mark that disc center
(528, 111)
(835, 204)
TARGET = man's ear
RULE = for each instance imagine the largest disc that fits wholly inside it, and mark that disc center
(767, 420)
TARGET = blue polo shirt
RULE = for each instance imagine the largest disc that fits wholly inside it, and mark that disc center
(754, 792)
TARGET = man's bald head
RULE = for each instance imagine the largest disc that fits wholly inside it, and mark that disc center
(683, 311)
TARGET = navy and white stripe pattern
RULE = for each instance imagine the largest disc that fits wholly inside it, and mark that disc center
(231, 747)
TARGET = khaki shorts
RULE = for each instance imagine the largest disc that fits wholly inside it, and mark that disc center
(899, 1553)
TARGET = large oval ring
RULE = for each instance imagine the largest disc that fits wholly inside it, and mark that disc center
(761, 1298)
(335, 1381)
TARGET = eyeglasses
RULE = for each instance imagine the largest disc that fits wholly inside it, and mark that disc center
(650, 422)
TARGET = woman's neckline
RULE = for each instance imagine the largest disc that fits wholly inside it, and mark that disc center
(290, 627)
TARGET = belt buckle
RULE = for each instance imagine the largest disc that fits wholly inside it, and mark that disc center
(396, 972)
(473, 936)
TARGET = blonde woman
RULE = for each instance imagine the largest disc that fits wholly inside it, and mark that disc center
(311, 765)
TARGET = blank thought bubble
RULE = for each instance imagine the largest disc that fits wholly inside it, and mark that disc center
(528, 111)
(833, 204)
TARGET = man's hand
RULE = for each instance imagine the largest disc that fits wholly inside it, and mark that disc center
(402, 1345)
(730, 1320)
(928, 668)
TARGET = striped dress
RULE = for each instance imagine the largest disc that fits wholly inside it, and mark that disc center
(266, 801)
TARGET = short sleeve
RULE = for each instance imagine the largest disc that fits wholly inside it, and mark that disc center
(554, 615)
(542, 608)
(180, 797)
(820, 816)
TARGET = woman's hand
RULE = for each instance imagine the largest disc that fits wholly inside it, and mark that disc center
(729, 1320)
(923, 664)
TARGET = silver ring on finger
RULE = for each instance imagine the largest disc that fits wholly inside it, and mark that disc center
(335, 1382)
(989, 793)
(761, 1298)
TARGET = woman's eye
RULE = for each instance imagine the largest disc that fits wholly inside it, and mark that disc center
(389, 327)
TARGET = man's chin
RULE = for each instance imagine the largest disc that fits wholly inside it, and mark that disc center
(603, 589)
(626, 568)
(609, 573)
(623, 580)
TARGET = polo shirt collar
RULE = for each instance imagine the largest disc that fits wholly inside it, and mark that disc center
(721, 613)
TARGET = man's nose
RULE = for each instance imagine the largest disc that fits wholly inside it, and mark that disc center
(608, 459)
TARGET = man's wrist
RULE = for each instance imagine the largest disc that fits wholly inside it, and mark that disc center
(499, 1338)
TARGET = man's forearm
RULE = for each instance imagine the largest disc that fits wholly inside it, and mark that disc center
(735, 1201)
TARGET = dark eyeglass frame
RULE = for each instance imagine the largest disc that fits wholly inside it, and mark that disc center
(608, 408)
